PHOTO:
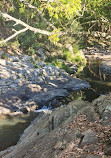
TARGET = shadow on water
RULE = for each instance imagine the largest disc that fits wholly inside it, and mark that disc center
(100, 82)
(12, 127)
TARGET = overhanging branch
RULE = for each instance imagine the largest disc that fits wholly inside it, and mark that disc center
(14, 35)
(27, 27)
(35, 30)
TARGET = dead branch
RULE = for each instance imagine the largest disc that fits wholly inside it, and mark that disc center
(27, 27)
(35, 30)
(14, 35)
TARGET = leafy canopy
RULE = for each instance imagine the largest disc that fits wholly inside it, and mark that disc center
(64, 15)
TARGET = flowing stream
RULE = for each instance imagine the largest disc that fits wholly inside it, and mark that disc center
(12, 127)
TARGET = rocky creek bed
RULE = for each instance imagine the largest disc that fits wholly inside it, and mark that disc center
(79, 129)
(24, 87)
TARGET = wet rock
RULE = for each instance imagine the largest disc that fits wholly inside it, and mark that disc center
(41, 53)
(26, 58)
(24, 71)
(20, 79)
(15, 113)
(13, 86)
(44, 98)
(24, 110)
(30, 105)
(13, 108)
(73, 69)
(40, 64)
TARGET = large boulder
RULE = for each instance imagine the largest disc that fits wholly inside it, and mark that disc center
(20, 82)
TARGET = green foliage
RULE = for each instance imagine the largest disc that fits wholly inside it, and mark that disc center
(73, 17)
(66, 56)
(76, 48)
(29, 42)
(64, 8)
(99, 8)
(79, 59)
(3, 55)
(79, 95)
(76, 57)
(55, 37)
(97, 15)
(16, 43)
(59, 64)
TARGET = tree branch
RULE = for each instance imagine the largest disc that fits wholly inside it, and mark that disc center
(35, 30)
(14, 35)
(27, 27)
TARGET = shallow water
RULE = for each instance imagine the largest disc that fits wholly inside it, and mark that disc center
(99, 81)
(12, 127)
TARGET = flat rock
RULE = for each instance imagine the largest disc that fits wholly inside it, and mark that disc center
(89, 138)
(41, 94)
(76, 84)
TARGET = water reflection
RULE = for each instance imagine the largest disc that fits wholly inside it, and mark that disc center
(93, 70)
(12, 127)
(100, 81)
